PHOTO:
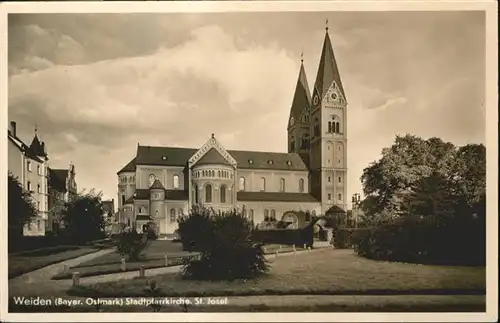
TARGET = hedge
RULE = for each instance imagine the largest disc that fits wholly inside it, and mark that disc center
(297, 237)
(428, 240)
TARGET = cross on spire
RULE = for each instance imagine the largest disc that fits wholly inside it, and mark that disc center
(36, 128)
(302, 57)
(326, 25)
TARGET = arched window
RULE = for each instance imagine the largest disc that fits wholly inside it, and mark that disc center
(176, 181)
(242, 183)
(301, 185)
(196, 194)
(262, 184)
(330, 127)
(266, 215)
(208, 193)
(273, 215)
(337, 127)
(213, 173)
(152, 179)
(223, 194)
(340, 197)
(329, 197)
(282, 184)
(307, 216)
(172, 215)
(218, 173)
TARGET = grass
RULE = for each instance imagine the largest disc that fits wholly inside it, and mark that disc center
(153, 257)
(25, 262)
(322, 272)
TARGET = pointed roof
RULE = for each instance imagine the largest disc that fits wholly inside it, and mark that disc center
(302, 96)
(212, 157)
(37, 146)
(328, 71)
(157, 185)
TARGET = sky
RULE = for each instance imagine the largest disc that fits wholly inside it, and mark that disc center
(96, 85)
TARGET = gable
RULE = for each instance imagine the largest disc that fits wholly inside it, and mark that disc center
(212, 157)
(212, 144)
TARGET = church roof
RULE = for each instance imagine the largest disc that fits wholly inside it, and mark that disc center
(302, 97)
(37, 146)
(130, 167)
(175, 156)
(328, 71)
(212, 157)
(157, 185)
(335, 209)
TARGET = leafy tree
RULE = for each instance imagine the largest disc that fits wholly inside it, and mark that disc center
(83, 218)
(131, 244)
(390, 183)
(21, 208)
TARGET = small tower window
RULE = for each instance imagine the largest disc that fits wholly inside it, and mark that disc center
(223, 194)
(329, 197)
(176, 182)
(301, 185)
(340, 179)
(208, 193)
(329, 179)
(242, 184)
(262, 184)
(340, 197)
(282, 184)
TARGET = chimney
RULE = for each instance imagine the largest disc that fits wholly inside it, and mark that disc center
(12, 128)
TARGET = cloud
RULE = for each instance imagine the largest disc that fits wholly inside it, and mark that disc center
(97, 85)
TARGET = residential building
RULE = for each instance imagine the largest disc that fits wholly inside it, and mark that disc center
(62, 189)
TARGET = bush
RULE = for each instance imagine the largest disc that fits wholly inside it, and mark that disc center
(429, 240)
(150, 231)
(297, 237)
(131, 244)
(195, 229)
(230, 253)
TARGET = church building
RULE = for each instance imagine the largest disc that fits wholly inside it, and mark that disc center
(161, 183)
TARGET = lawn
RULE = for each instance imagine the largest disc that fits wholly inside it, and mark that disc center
(321, 272)
(153, 257)
(24, 262)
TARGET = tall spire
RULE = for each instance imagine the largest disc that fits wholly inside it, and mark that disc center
(37, 146)
(328, 70)
(302, 96)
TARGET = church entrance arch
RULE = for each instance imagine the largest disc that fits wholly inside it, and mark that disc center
(292, 220)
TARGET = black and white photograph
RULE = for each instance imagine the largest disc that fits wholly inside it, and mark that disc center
(265, 159)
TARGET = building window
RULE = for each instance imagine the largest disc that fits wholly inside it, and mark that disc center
(176, 182)
(123, 199)
(329, 179)
(39, 170)
(196, 194)
(340, 179)
(242, 183)
(262, 184)
(340, 197)
(38, 188)
(329, 197)
(29, 166)
(181, 212)
(152, 179)
(301, 185)
(266, 215)
(273, 215)
(38, 205)
(337, 127)
(308, 216)
(172, 215)
(29, 186)
(282, 184)
(223, 194)
(208, 193)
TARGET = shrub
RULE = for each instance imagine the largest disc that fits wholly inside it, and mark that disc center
(195, 229)
(150, 231)
(429, 240)
(131, 244)
(230, 253)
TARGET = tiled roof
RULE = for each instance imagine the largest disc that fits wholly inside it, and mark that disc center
(57, 179)
(212, 157)
(328, 70)
(174, 156)
(156, 185)
(38, 147)
(275, 197)
(141, 194)
(130, 167)
(130, 200)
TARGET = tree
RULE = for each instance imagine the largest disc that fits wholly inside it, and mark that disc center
(21, 208)
(391, 182)
(83, 218)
